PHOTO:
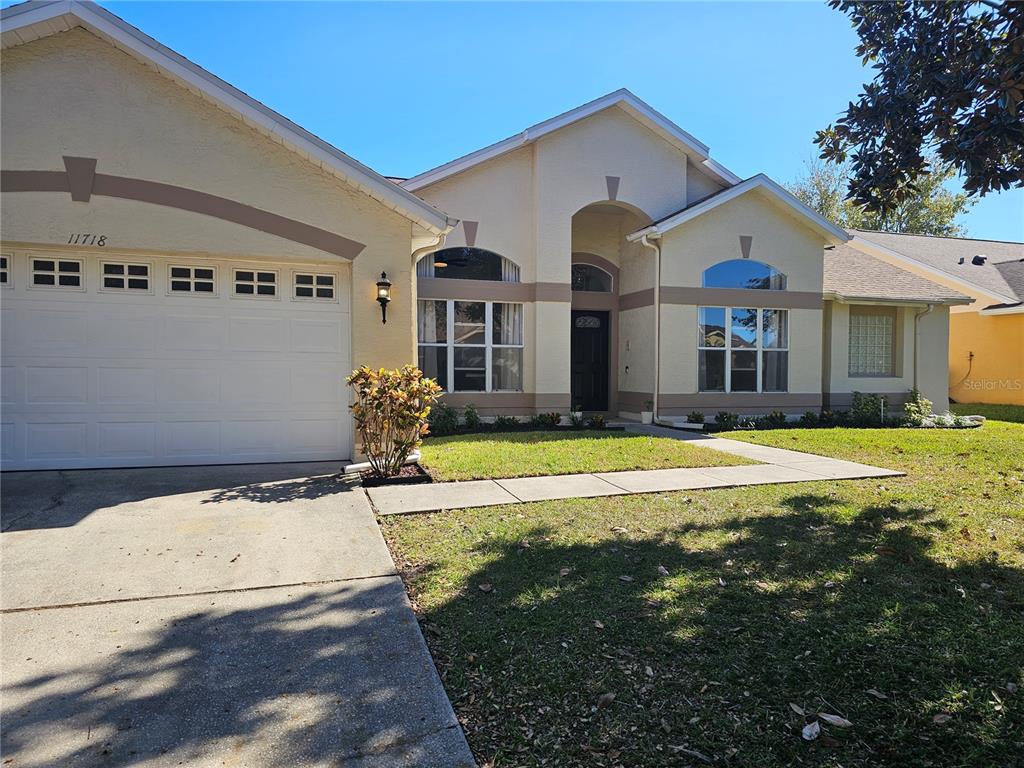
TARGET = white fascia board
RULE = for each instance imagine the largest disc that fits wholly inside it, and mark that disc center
(832, 233)
(871, 248)
(314, 149)
(1017, 309)
(622, 98)
(887, 301)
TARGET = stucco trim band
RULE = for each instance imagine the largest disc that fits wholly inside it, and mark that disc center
(508, 403)
(723, 297)
(184, 199)
(490, 290)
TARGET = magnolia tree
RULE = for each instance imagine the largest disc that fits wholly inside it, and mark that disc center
(391, 410)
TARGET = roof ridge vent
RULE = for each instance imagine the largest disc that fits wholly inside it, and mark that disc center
(979, 260)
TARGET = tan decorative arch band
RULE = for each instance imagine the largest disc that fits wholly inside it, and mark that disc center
(81, 181)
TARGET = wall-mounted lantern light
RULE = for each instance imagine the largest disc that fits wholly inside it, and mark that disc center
(384, 296)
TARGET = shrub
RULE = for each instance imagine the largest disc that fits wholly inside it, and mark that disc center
(596, 421)
(505, 423)
(775, 420)
(471, 417)
(695, 417)
(810, 419)
(866, 409)
(917, 408)
(549, 420)
(576, 420)
(391, 410)
(444, 420)
(726, 421)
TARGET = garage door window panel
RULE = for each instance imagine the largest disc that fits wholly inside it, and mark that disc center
(255, 283)
(58, 273)
(5, 270)
(117, 277)
(313, 286)
(196, 280)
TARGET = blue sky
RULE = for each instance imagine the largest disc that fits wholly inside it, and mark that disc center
(403, 87)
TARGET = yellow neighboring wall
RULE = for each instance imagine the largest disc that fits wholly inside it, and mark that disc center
(995, 374)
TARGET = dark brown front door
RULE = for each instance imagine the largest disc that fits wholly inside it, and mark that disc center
(589, 360)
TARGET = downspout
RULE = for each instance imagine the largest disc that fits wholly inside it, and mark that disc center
(917, 317)
(644, 241)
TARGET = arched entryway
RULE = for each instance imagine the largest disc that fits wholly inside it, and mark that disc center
(599, 251)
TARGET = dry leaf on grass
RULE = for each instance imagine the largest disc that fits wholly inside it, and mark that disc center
(486, 586)
(598, 624)
(836, 720)
(796, 708)
(619, 529)
(625, 578)
(811, 731)
(942, 718)
(605, 700)
(663, 570)
(876, 693)
(564, 572)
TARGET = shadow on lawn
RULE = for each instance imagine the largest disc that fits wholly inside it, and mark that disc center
(757, 612)
(333, 676)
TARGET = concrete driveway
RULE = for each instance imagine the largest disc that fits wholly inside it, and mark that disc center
(243, 616)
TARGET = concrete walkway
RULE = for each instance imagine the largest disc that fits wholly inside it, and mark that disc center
(210, 616)
(777, 465)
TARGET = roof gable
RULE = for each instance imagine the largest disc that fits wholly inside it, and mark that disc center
(759, 184)
(851, 274)
(621, 99)
(33, 20)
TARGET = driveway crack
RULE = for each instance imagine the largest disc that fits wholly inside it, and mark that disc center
(56, 501)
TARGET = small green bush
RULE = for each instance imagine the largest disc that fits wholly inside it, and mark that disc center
(504, 423)
(810, 419)
(775, 420)
(576, 420)
(917, 408)
(552, 419)
(726, 421)
(866, 409)
(695, 417)
(444, 420)
(596, 421)
(471, 417)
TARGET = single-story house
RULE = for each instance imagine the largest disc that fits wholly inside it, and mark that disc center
(186, 276)
(986, 337)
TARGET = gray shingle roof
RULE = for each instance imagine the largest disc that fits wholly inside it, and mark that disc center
(851, 274)
(1002, 272)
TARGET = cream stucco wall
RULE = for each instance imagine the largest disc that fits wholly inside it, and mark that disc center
(932, 343)
(778, 240)
(74, 94)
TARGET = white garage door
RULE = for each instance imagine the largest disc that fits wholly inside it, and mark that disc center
(113, 361)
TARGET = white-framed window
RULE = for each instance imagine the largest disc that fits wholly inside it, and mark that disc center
(6, 264)
(314, 286)
(125, 276)
(471, 346)
(742, 349)
(255, 283)
(47, 272)
(196, 280)
(872, 348)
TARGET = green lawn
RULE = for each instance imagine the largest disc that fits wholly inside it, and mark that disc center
(528, 454)
(896, 603)
(1014, 413)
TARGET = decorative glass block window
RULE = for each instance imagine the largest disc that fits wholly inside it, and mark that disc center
(57, 273)
(254, 282)
(471, 346)
(742, 349)
(468, 264)
(744, 273)
(587, 277)
(5, 270)
(122, 276)
(314, 286)
(193, 280)
(872, 341)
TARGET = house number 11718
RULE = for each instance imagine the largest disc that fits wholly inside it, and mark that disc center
(87, 239)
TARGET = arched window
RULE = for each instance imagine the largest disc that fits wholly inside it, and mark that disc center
(744, 273)
(468, 264)
(587, 277)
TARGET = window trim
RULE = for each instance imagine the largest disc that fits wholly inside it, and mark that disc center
(896, 356)
(314, 298)
(9, 269)
(32, 285)
(611, 278)
(758, 347)
(256, 283)
(150, 277)
(489, 346)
